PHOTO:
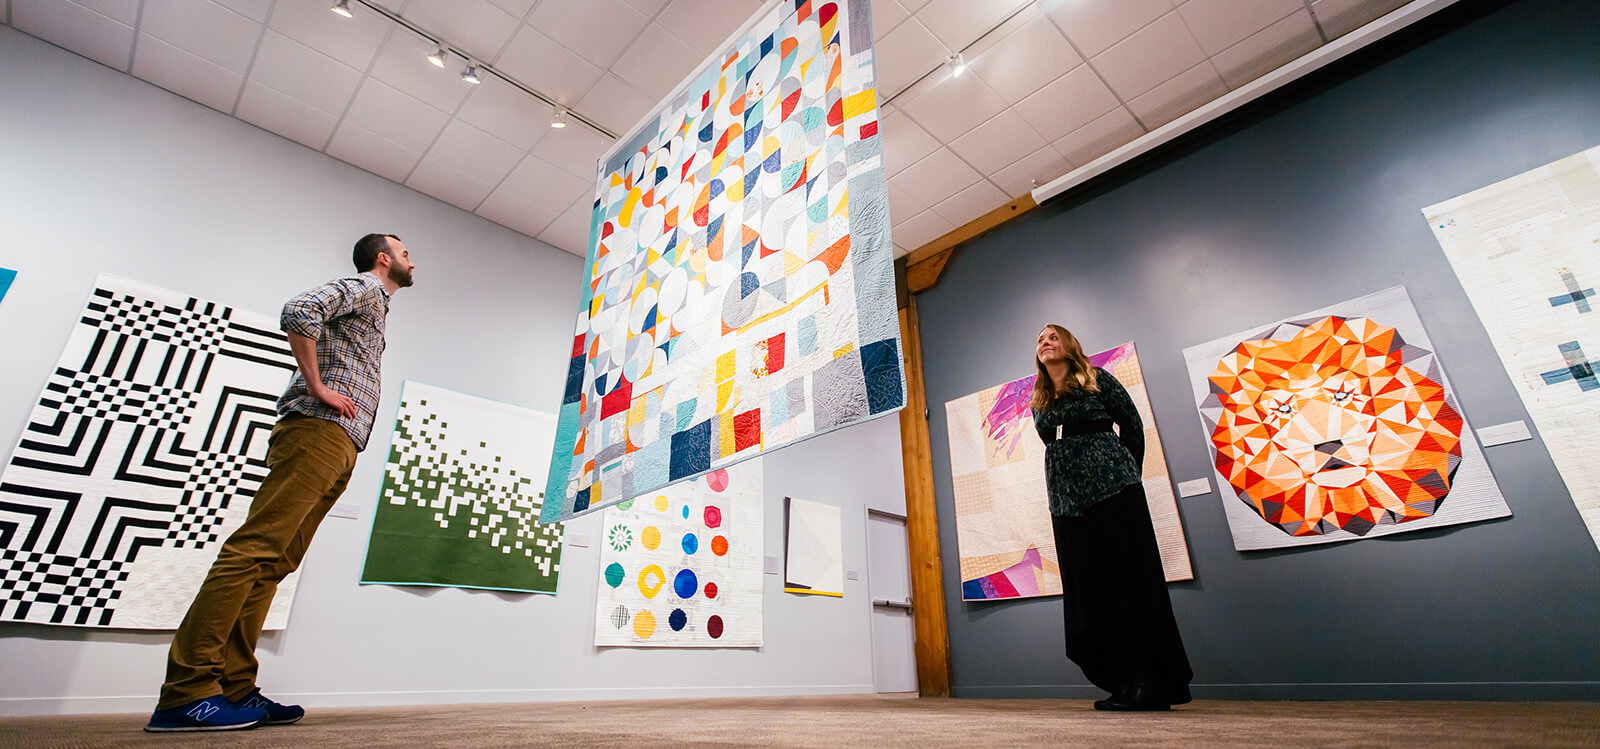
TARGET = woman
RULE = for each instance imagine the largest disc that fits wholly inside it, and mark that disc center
(1119, 623)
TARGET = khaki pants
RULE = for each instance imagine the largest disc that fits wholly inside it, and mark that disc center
(213, 652)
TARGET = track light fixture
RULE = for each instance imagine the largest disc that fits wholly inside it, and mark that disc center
(343, 8)
(437, 56)
(958, 65)
(559, 120)
(470, 75)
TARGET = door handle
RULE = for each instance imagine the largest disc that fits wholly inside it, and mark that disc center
(906, 604)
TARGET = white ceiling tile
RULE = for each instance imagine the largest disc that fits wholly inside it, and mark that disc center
(1340, 17)
(614, 105)
(1097, 24)
(575, 148)
(286, 116)
(570, 232)
(1039, 167)
(298, 71)
(352, 41)
(1067, 103)
(904, 55)
(546, 185)
(886, 14)
(203, 29)
(396, 6)
(185, 74)
(1149, 57)
(950, 107)
(518, 8)
(937, 177)
(998, 142)
(372, 152)
(547, 67)
(1027, 60)
(957, 23)
(913, 5)
(971, 203)
(904, 142)
(125, 12)
(1268, 49)
(656, 63)
(506, 113)
(449, 184)
(477, 27)
(395, 116)
(706, 24)
(902, 204)
(1178, 96)
(255, 10)
(403, 64)
(1106, 134)
(517, 214)
(920, 229)
(648, 7)
(76, 28)
(1017, 21)
(1220, 24)
(599, 30)
(474, 152)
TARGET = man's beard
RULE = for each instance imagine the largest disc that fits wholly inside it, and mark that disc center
(402, 279)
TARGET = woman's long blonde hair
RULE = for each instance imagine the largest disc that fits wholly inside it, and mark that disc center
(1080, 371)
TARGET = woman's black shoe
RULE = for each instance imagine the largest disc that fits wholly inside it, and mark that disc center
(1137, 697)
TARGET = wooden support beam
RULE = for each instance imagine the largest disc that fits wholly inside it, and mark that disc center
(922, 522)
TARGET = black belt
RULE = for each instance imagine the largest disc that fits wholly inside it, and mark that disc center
(1078, 430)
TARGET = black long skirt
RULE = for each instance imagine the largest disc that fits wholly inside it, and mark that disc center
(1119, 624)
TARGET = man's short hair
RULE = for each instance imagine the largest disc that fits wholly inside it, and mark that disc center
(367, 248)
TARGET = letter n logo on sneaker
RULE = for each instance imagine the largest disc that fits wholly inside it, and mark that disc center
(203, 710)
(254, 702)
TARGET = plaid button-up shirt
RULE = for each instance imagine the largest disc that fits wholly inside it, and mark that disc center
(345, 317)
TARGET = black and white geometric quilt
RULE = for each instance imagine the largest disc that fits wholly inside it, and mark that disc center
(143, 453)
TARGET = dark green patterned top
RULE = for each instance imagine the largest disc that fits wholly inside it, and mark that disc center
(1082, 469)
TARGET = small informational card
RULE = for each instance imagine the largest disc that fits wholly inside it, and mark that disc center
(1194, 488)
(1504, 434)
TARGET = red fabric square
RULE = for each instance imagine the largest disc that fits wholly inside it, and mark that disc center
(617, 400)
(746, 430)
(775, 353)
(870, 129)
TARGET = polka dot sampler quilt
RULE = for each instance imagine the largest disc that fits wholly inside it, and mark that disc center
(142, 455)
(739, 286)
(1338, 425)
(681, 567)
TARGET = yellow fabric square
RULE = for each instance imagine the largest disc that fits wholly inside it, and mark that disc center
(861, 103)
(725, 367)
(728, 446)
(724, 394)
(842, 350)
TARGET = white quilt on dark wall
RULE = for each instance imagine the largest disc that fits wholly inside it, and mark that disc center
(141, 455)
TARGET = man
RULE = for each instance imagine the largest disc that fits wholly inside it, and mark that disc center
(324, 418)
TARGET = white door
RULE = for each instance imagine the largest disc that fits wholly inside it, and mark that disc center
(894, 659)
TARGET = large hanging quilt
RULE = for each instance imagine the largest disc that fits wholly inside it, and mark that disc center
(1527, 251)
(142, 455)
(739, 288)
(1336, 425)
(682, 567)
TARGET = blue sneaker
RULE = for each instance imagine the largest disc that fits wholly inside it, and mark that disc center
(210, 714)
(278, 714)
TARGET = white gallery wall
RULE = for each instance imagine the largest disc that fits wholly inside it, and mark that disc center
(100, 172)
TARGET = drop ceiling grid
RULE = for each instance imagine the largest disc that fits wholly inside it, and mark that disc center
(1054, 84)
(1120, 45)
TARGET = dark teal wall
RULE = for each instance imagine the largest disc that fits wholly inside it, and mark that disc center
(1308, 198)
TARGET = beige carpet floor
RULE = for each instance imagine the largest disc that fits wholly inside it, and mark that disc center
(872, 721)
